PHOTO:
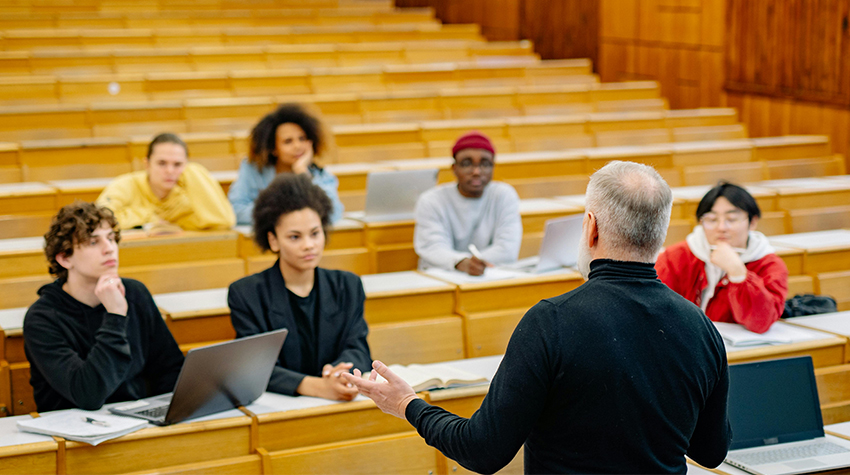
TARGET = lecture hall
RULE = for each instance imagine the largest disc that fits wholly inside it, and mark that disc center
(204, 141)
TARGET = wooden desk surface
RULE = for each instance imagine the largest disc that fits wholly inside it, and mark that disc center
(723, 469)
(22, 245)
(14, 190)
(289, 422)
(826, 251)
(11, 436)
(841, 429)
(12, 318)
(396, 283)
(825, 349)
(80, 185)
(837, 323)
(819, 241)
(792, 186)
(22, 452)
(223, 435)
(406, 296)
(794, 258)
(194, 303)
(519, 292)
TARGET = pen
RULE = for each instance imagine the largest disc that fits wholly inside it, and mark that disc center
(736, 249)
(475, 252)
(95, 422)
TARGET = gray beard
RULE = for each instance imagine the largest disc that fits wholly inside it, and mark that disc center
(584, 258)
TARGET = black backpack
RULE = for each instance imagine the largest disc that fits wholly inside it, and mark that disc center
(808, 304)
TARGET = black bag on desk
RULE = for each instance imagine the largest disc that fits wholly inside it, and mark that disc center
(809, 304)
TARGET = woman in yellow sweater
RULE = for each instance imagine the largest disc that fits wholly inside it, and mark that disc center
(170, 189)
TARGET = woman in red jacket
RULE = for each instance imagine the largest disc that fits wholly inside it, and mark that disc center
(725, 266)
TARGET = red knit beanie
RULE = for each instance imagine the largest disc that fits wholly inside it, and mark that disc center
(474, 139)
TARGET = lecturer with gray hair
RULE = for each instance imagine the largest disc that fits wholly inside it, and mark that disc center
(621, 375)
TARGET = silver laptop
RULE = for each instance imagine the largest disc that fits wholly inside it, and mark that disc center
(214, 378)
(391, 196)
(777, 428)
(559, 247)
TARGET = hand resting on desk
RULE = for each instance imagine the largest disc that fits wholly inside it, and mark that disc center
(331, 385)
(391, 397)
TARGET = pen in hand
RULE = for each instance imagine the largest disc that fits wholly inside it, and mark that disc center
(475, 252)
(95, 422)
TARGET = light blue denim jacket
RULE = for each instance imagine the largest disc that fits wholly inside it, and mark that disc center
(250, 182)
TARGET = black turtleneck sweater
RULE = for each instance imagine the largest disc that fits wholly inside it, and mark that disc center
(621, 375)
(83, 357)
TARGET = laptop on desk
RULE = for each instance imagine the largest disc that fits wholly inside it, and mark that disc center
(777, 428)
(214, 378)
(559, 247)
(391, 196)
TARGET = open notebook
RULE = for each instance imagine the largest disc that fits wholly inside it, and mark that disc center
(432, 376)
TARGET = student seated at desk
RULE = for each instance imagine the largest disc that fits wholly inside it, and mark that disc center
(288, 140)
(93, 337)
(170, 190)
(725, 266)
(323, 309)
(473, 211)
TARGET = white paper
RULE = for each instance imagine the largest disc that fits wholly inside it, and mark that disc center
(779, 334)
(71, 425)
(490, 274)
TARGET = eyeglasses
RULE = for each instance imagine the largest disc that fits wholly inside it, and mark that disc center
(711, 220)
(468, 165)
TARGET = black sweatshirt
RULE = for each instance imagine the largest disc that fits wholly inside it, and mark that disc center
(82, 356)
(621, 375)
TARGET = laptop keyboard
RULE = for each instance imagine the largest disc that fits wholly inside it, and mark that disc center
(790, 453)
(154, 412)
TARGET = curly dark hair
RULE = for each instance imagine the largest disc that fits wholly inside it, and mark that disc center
(166, 137)
(72, 225)
(288, 192)
(264, 134)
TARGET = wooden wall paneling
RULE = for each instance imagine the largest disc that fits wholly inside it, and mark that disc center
(559, 28)
(501, 20)
(649, 22)
(647, 64)
(562, 28)
(713, 23)
(617, 61)
(790, 48)
(688, 77)
(712, 70)
(618, 19)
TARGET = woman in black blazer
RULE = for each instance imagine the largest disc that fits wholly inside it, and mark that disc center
(323, 309)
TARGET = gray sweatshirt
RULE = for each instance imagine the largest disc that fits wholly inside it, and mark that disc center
(447, 223)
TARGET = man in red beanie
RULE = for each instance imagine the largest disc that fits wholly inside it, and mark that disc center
(455, 218)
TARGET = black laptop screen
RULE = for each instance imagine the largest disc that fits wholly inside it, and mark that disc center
(773, 402)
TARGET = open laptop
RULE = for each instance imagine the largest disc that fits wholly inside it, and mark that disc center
(777, 428)
(214, 378)
(391, 196)
(559, 247)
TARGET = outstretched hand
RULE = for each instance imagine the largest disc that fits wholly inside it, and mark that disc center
(391, 396)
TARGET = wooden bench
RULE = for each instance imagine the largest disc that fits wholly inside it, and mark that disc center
(31, 40)
(187, 84)
(226, 114)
